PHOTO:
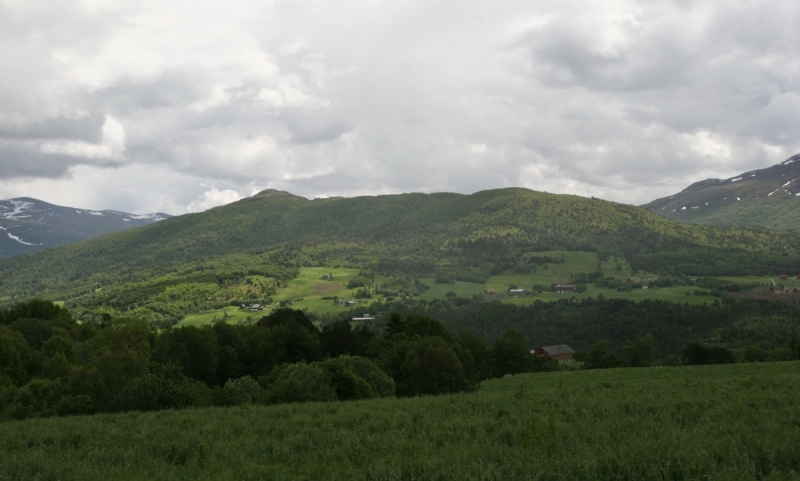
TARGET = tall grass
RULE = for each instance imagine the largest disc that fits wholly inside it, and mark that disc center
(704, 422)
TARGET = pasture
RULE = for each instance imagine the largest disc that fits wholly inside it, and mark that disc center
(439, 291)
(731, 422)
(308, 289)
(231, 315)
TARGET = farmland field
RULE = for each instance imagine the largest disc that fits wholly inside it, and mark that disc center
(231, 314)
(439, 291)
(705, 422)
(307, 290)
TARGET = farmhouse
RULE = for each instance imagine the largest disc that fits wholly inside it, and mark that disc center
(256, 307)
(795, 290)
(784, 276)
(565, 288)
(350, 303)
(561, 352)
(365, 317)
(325, 277)
(491, 291)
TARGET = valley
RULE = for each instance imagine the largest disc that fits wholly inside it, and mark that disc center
(310, 292)
(283, 322)
(264, 250)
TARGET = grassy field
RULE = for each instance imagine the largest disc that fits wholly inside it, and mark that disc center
(308, 289)
(234, 316)
(305, 292)
(439, 291)
(686, 423)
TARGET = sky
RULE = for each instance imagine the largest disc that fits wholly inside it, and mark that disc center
(179, 106)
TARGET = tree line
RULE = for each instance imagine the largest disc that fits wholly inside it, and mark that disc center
(52, 365)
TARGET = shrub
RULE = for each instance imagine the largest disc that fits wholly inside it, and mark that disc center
(299, 382)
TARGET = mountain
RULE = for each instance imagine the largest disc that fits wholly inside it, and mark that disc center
(768, 197)
(30, 225)
(462, 237)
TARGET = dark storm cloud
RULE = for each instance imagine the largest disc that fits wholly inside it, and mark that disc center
(88, 128)
(21, 162)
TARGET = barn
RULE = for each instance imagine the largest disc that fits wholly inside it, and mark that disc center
(561, 352)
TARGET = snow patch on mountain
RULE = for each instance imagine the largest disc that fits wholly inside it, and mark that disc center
(12, 236)
(18, 207)
(153, 217)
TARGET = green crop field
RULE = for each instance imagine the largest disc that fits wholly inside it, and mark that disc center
(439, 291)
(232, 315)
(706, 422)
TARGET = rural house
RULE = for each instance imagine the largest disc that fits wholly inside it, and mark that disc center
(255, 308)
(560, 353)
(565, 288)
(784, 276)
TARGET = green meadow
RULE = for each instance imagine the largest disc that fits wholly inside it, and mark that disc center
(725, 422)
(304, 292)
(308, 289)
(440, 291)
(231, 315)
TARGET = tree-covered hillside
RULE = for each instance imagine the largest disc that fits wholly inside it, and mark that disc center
(466, 237)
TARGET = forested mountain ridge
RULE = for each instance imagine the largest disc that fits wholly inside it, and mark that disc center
(29, 225)
(767, 197)
(461, 236)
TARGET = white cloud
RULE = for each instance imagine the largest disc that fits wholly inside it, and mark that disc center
(622, 99)
(112, 145)
(213, 198)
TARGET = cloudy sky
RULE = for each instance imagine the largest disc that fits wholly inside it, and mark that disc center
(177, 106)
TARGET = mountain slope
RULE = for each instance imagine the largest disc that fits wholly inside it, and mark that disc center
(30, 225)
(768, 197)
(463, 237)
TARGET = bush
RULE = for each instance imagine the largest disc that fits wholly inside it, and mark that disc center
(432, 367)
(380, 384)
(696, 354)
(299, 382)
(363, 294)
(167, 388)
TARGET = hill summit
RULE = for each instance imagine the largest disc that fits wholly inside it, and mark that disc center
(768, 198)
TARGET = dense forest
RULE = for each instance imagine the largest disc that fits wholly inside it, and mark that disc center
(737, 324)
(51, 365)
